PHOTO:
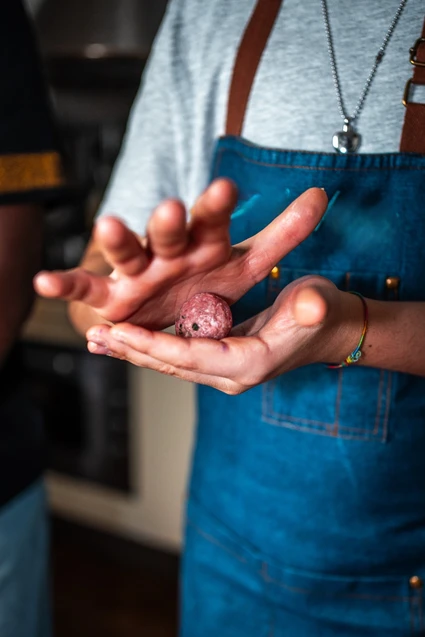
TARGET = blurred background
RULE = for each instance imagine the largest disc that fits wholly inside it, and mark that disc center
(119, 452)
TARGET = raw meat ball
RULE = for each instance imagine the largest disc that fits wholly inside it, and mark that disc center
(204, 315)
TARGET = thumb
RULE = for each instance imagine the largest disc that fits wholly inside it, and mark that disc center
(311, 305)
(286, 232)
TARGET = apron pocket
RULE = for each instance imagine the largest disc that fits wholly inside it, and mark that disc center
(391, 606)
(352, 402)
(221, 565)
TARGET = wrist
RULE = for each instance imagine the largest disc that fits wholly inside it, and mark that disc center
(342, 328)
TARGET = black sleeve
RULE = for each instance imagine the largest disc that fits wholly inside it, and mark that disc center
(30, 162)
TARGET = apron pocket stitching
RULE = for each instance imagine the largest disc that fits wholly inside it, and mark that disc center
(379, 402)
(362, 435)
(387, 406)
(416, 614)
(335, 418)
(421, 626)
(213, 540)
(276, 419)
(258, 162)
(272, 626)
(270, 416)
(307, 591)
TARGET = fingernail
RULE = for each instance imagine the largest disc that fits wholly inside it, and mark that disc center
(97, 340)
(94, 348)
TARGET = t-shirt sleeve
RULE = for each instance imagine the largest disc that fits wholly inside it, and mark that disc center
(152, 156)
(30, 162)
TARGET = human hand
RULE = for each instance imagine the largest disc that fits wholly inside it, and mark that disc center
(311, 321)
(151, 278)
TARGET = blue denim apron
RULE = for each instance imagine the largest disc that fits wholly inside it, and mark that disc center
(306, 513)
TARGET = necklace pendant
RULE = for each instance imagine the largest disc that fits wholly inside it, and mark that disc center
(346, 141)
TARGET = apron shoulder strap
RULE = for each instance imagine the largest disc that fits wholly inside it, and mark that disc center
(413, 134)
(248, 57)
(250, 50)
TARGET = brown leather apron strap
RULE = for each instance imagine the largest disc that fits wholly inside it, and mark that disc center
(251, 48)
(249, 54)
(413, 134)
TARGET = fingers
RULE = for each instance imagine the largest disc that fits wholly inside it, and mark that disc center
(120, 247)
(73, 285)
(210, 216)
(102, 344)
(148, 362)
(285, 233)
(230, 358)
(167, 231)
(169, 235)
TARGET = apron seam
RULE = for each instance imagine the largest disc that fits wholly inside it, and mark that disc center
(318, 432)
(213, 540)
(245, 142)
(308, 591)
(263, 571)
(272, 624)
(264, 164)
(416, 614)
(268, 164)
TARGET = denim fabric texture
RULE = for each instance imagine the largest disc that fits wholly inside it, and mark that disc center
(307, 497)
(24, 565)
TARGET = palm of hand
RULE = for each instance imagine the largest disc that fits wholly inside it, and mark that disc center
(298, 329)
(144, 301)
(149, 283)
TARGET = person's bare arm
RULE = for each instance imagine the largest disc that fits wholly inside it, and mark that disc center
(311, 321)
(20, 252)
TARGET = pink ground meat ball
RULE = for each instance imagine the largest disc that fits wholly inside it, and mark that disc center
(204, 315)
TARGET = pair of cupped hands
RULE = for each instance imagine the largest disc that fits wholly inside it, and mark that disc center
(151, 277)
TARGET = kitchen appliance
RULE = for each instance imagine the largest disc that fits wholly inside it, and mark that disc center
(94, 53)
(99, 28)
(84, 402)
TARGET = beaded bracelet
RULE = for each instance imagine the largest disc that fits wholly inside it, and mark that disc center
(355, 355)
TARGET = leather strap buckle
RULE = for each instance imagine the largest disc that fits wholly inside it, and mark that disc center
(414, 51)
(405, 101)
(413, 135)
(406, 93)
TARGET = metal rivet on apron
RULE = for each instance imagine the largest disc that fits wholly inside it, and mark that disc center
(415, 582)
(392, 282)
(274, 272)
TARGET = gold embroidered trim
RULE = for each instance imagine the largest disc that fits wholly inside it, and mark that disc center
(32, 171)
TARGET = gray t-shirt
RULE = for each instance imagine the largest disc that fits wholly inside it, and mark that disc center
(181, 106)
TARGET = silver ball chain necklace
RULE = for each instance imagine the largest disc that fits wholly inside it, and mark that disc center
(348, 140)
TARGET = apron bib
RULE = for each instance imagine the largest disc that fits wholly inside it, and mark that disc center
(306, 513)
